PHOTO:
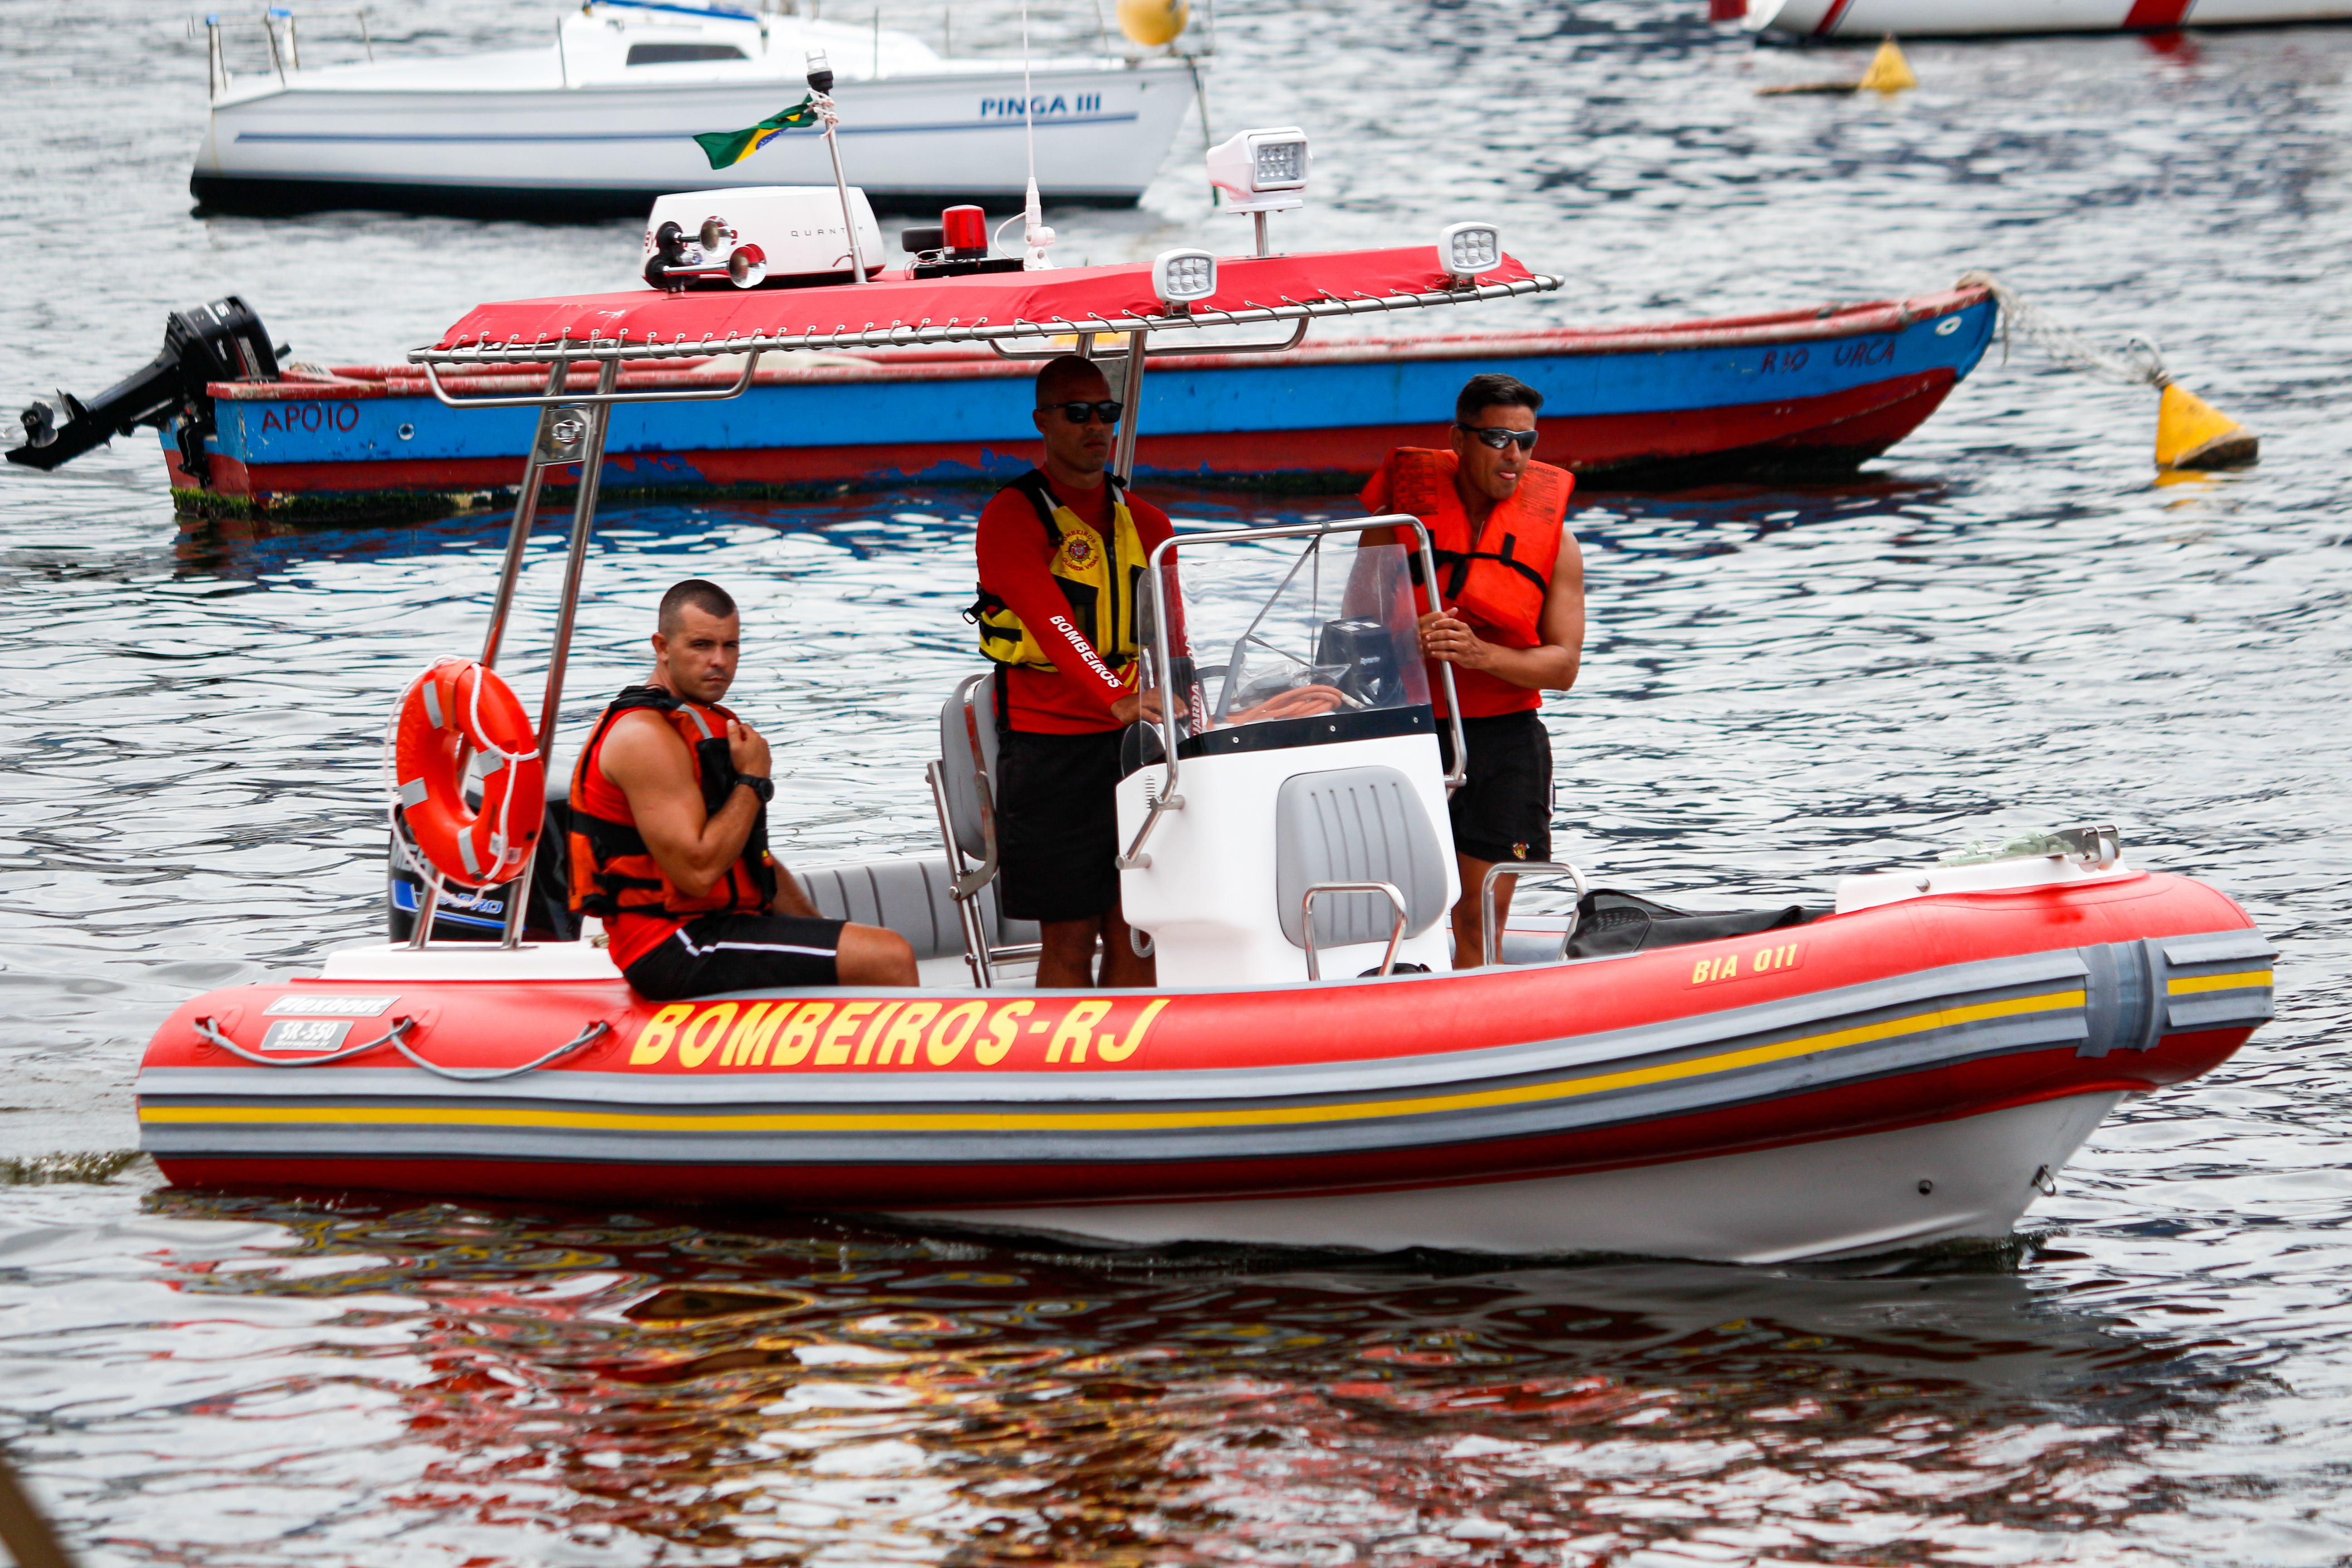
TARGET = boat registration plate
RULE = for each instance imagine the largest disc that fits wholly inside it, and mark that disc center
(318, 1036)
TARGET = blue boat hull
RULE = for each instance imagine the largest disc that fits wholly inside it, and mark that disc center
(1798, 393)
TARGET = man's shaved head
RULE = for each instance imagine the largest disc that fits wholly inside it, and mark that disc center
(709, 597)
(1071, 379)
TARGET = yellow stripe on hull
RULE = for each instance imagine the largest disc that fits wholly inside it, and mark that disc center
(2243, 980)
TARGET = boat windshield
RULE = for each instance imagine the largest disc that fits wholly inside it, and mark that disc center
(1287, 642)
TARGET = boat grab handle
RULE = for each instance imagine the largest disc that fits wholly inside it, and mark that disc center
(210, 1031)
(1249, 346)
(568, 400)
(1491, 939)
(1306, 915)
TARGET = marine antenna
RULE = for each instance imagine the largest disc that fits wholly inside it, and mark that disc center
(1033, 232)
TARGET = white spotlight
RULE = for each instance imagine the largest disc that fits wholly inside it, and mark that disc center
(1262, 170)
(1181, 276)
(1467, 249)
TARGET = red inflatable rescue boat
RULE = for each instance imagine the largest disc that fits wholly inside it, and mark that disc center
(1909, 1067)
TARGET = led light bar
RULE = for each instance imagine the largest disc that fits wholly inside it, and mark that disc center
(1181, 276)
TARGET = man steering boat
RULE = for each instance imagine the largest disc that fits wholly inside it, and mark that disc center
(1507, 612)
(1062, 552)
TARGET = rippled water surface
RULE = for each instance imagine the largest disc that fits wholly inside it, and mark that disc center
(2004, 623)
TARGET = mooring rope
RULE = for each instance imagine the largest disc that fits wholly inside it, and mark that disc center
(2141, 364)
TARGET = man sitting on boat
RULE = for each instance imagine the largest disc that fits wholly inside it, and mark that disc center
(1510, 620)
(669, 832)
(1061, 550)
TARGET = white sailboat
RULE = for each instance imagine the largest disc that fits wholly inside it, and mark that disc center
(602, 119)
(1876, 19)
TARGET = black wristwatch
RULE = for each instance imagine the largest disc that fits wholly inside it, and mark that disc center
(758, 784)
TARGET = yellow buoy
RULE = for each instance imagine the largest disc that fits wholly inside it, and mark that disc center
(1152, 22)
(1889, 72)
(2191, 432)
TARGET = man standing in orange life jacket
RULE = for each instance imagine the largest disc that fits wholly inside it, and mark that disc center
(1061, 553)
(1509, 618)
(669, 834)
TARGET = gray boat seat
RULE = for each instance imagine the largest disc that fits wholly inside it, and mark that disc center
(957, 739)
(909, 896)
(1355, 825)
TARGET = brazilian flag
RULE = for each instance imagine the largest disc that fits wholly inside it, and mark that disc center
(725, 149)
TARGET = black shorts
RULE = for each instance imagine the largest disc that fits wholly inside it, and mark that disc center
(739, 953)
(1504, 811)
(1056, 825)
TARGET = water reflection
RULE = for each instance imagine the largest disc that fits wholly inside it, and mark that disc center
(814, 1391)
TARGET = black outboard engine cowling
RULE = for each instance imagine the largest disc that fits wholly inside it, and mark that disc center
(464, 915)
(223, 341)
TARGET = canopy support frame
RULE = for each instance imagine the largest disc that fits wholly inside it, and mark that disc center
(595, 410)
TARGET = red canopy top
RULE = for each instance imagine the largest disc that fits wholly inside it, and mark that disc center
(992, 305)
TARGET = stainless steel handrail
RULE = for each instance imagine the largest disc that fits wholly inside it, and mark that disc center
(1122, 458)
(1166, 799)
(603, 395)
(925, 334)
(1253, 346)
(1306, 913)
(1490, 940)
(575, 564)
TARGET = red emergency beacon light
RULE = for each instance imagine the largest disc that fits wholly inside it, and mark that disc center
(957, 245)
(965, 229)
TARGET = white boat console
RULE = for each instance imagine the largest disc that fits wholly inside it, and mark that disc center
(1300, 830)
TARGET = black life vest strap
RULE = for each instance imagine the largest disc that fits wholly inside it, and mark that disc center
(1040, 491)
(1461, 560)
(716, 764)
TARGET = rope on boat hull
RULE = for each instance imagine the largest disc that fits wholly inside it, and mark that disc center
(2191, 432)
(210, 1031)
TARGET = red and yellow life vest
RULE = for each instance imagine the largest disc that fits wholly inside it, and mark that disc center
(1501, 577)
(1100, 578)
(612, 872)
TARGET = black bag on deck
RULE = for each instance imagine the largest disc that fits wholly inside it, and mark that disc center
(1608, 922)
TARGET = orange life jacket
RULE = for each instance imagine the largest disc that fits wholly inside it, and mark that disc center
(612, 872)
(1502, 576)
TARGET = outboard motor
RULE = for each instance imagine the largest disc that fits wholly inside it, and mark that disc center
(223, 341)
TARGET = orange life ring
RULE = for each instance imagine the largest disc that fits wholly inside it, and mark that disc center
(455, 709)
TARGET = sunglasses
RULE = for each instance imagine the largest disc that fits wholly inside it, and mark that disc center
(1498, 439)
(1078, 413)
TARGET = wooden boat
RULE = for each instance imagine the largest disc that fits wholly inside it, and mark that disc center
(1785, 394)
(1873, 19)
(1910, 1067)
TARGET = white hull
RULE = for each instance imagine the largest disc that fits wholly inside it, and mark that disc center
(1876, 19)
(1838, 1197)
(577, 126)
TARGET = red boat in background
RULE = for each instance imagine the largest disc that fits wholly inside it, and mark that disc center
(1789, 394)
